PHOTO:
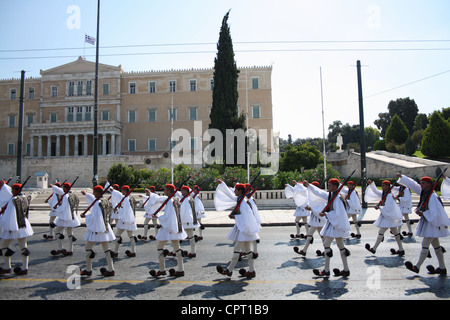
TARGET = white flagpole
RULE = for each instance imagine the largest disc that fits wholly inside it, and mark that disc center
(323, 127)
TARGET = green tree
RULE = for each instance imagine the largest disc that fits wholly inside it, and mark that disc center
(405, 108)
(436, 138)
(224, 111)
(296, 158)
(397, 131)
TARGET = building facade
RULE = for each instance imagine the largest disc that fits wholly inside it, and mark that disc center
(137, 112)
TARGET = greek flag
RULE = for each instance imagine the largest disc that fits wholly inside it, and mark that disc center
(89, 39)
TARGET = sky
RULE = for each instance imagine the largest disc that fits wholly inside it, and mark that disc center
(312, 46)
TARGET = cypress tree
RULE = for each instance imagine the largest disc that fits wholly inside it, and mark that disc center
(397, 131)
(224, 111)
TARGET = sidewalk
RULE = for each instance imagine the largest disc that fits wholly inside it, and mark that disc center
(270, 216)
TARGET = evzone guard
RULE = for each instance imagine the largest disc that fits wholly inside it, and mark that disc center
(390, 215)
(433, 223)
(14, 225)
(200, 211)
(149, 210)
(315, 222)
(245, 229)
(52, 201)
(337, 227)
(171, 230)
(127, 220)
(189, 220)
(301, 213)
(67, 218)
(405, 202)
(353, 206)
(98, 230)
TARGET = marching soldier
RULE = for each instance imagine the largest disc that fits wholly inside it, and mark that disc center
(115, 199)
(52, 201)
(171, 230)
(149, 210)
(244, 231)
(336, 228)
(433, 223)
(200, 210)
(390, 215)
(405, 202)
(188, 217)
(301, 213)
(353, 206)
(127, 221)
(316, 222)
(14, 225)
(98, 230)
(67, 218)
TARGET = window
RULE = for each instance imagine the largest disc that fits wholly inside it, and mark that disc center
(131, 144)
(194, 143)
(30, 119)
(173, 115)
(152, 87)
(30, 93)
(193, 85)
(211, 83)
(89, 87)
(13, 94)
(132, 87)
(79, 113)
(80, 88)
(256, 110)
(172, 143)
(12, 121)
(70, 111)
(28, 149)
(105, 88)
(105, 115)
(54, 91)
(172, 86)
(151, 144)
(152, 115)
(255, 83)
(71, 88)
(53, 117)
(10, 149)
(131, 115)
(88, 113)
(193, 114)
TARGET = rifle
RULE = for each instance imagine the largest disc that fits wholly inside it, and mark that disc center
(423, 206)
(93, 202)
(128, 193)
(52, 192)
(60, 199)
(199, 188)
(337, 192)
(350, 191)
(17, 192)
(170, 197)
(257, 187)
(243, 195)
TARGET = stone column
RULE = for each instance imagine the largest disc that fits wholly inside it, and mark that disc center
(85, 145)
(49, 146)
(58, 145)
(75, 147)
(32, 146)
(104, 144)
(39, 146)
(67, 145)
(113, 144)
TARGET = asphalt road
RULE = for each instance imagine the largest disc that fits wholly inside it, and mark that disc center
(281, 274)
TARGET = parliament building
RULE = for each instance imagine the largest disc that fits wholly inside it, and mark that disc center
(137, 112)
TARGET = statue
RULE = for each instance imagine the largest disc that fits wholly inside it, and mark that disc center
(339, 142)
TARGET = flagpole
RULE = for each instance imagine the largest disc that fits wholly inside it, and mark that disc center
(95, 151)
(323, 128)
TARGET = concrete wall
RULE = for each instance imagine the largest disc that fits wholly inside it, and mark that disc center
(383, 164)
